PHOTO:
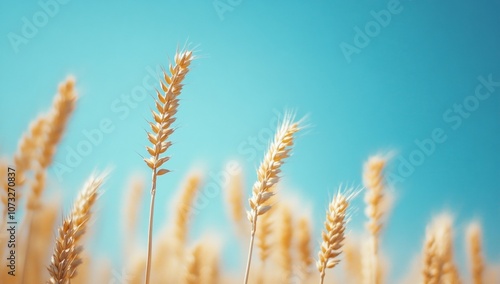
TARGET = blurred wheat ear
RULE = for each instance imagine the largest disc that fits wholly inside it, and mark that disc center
(475, 251)
(67, 252)
(439, 265)
(161, 129)
(377, 204)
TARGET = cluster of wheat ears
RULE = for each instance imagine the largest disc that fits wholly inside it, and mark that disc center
(283, 239)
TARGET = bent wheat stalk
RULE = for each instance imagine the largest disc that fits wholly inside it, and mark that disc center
(268, 177)
(161, 127)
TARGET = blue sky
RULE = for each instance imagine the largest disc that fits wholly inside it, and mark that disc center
(404, 79)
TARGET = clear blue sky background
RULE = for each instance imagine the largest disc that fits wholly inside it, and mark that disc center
(260, 57)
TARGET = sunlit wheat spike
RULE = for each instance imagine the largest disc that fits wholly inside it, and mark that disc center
(166, 103)
(270, 168)
(333, 235)
(268, 176)
(65, 258)
(86, 199)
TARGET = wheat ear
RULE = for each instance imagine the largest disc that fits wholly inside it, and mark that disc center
(304, 245)
(284, 241)
(210, 269)
(264, 230)
(235, 200)
(24, 157)
(66, 256)
(333, 235)
(353, 259)
(263, 242)
(161, 126)
(438, 252)
(193, 266)
(55, 126)
(432, 268)
(65, 259)
(268, 176)
(184, 210)
(373, 178)
(131, 207)
(475, 252)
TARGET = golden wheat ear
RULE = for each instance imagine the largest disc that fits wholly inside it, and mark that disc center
(66, 256)
(193, 265)
(334, 234)
(439, 265)
(268, 176)
(475, 252)
(304, 233)
(235, 192)
(377, 200)
(184, 209)
(166, 102)
(284, 236)
(132, 201)
(55, 124)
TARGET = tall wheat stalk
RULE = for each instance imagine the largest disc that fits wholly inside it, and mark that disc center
(268, 177)
(161, 126)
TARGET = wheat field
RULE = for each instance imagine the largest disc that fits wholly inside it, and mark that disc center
(276, 236)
